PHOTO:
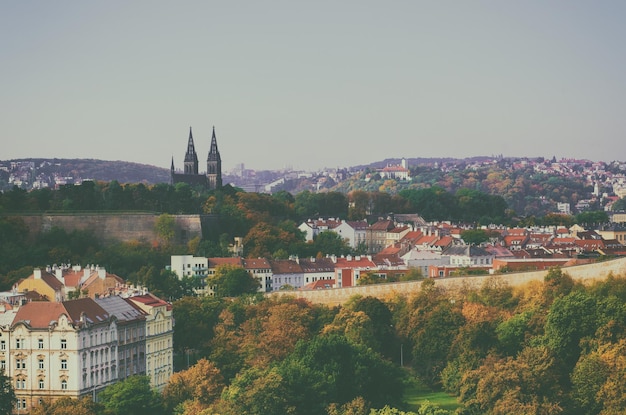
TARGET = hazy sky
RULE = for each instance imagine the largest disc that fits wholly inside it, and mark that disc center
(312, 84)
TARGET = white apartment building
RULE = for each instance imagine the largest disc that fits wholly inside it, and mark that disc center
(189, 266)
(53, 350)
(131, 335)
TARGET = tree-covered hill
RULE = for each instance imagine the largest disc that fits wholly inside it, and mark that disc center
(93, 169)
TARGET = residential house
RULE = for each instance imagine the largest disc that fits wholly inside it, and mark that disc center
(52, 350)
(422, 260)
(469, 256)
(286, 274)
(260, 269)
(348, 269)
(131, 335)
(314, 227)
(613, 231)
(213, 265)
(353, 232)
(316, 269)
(376, 235)
(43, 282)
(159, 338)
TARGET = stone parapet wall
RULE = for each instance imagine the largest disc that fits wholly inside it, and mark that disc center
(115, 227)
(337, 296)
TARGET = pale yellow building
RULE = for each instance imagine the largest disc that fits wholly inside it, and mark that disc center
(159, 338)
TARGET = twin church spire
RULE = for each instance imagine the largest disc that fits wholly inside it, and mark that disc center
(213, 177)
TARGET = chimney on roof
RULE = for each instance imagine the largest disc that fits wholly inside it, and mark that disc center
(86, 273)
(58, 272)
(102, 273)
(37, 273)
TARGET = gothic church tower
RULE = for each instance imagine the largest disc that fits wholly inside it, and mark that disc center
(214, 165)
(191, 158)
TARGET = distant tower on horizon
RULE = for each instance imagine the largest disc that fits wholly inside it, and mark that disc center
(213, 177)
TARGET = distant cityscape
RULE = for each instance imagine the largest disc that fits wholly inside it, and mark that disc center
(608, 179)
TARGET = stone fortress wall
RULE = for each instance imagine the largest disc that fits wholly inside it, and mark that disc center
(118, 226)
(338, 296)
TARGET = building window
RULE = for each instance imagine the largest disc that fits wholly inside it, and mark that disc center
(40, 344)
(19, 343)
(41, 384)
(64, 384)
(21, 403)
(63, 363)
(40, 363)
(3, 345)
(20, 364)
(63, 344)
(3, 364)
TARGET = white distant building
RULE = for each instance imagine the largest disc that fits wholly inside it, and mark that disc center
(422, 259)
(397, 172)
(189, 266)
(564, 208)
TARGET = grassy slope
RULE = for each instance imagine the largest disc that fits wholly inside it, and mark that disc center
(417, 393)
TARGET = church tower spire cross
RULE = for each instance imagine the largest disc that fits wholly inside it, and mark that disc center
(191, 158)
(214, 164)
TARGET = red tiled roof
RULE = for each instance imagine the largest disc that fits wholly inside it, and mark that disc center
(412, 236)
(355, 262)
(443, 241)
(150, 300)
(317, 265)
(71, 278)
(382, 225)
(358, 225)
(256, 263)
(52, 281)
(285, 266)
(319, 285)
(40, 314)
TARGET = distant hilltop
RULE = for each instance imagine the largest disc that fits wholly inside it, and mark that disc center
(38, 173)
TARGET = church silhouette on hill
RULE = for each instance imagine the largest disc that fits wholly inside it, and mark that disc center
(213, 177)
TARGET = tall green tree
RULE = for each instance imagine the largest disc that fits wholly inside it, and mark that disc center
(232, 281)
(7, 394)
(132, 395)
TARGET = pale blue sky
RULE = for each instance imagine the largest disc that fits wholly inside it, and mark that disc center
(312, 84)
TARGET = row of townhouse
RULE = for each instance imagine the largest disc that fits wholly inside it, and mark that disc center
(359, 234)
(58, 283)
(436, 250)
(76, 348)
